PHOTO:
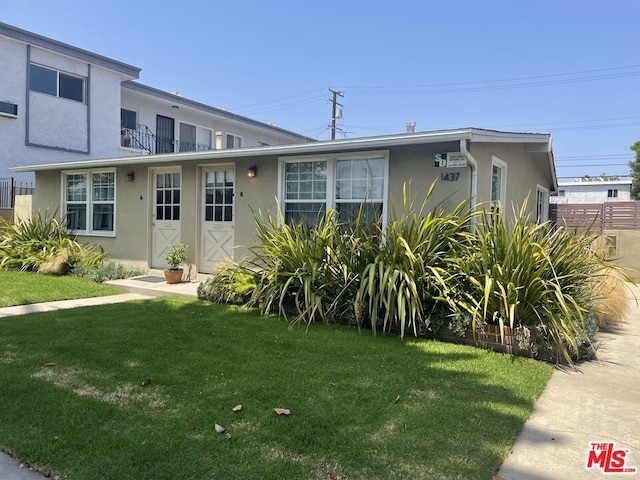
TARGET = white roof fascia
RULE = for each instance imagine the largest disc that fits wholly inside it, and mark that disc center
(595, 183)
(128, 71)
(364, 143)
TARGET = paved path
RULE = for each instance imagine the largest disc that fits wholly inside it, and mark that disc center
(600, 402)
(65, 304)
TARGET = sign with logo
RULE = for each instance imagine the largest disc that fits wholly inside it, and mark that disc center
(608, 458)
(449, 160)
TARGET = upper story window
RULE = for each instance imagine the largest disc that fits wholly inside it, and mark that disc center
(128, 119)
(194, 138)
(58, 84)
(612, 193)
(89, 200)
(233, 141)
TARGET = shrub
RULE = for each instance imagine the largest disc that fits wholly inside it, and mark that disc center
(308, 270)
(523, 273)
(410, 271)
(229, 283)
(106, 270)
(43, 239)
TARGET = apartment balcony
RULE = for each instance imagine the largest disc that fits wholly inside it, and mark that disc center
(142, 138)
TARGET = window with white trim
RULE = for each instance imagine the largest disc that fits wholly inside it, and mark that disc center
(194, 138)
(58, 84)
(357, 181)
(312, 187)
(89, 200)
(542, 204)
(305, 196)
(233, 141)
(612, 193)
(498, 182)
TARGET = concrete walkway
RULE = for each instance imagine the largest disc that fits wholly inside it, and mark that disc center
(598, 402)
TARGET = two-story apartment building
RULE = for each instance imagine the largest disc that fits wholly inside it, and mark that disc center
(60, 103)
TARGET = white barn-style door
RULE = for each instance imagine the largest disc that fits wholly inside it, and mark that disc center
(166, 214)
(217, 217)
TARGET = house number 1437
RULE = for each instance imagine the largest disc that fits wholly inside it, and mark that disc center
(450, 177)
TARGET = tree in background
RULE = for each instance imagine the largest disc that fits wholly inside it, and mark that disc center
(635, 171)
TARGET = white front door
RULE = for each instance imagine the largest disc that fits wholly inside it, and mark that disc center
(217, 217)
(165, 218)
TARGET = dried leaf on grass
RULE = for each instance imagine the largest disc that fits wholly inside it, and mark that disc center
(282, 411)
(237, 408)
(219, 428)
(50, 364)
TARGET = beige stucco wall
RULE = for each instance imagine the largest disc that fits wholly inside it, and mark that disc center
(524, 171)
(627, 251)
(407, 165)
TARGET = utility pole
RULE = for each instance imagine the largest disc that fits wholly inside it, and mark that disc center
(336, 111)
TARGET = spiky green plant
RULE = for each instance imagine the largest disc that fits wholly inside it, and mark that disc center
(411, 270)
(311, 271)
(523, 273)
(33, 241)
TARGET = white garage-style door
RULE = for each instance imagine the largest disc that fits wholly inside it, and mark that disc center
(217, 216)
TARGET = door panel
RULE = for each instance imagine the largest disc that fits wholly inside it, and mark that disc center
(165, 218)
(165, 134)
(217, 217)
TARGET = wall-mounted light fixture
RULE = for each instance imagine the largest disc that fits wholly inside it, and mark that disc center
(130, 176)
(252, 172)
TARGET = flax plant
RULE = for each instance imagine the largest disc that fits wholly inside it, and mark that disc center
(310, 271)
(33, 241)
(524, 273)
(411, 269)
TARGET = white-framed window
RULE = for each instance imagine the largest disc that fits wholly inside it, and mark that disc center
(194, 138)
(305, 191)
(89, 201)
(498, 182)
(59, 84)
(233, 141)
(542, 204)
(311, 186)
(612, 193)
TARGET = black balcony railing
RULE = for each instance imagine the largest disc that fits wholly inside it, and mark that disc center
(142, 138)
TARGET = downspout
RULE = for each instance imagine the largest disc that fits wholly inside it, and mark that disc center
(474, 180)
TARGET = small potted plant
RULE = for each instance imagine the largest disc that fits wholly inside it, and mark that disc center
(175, 256)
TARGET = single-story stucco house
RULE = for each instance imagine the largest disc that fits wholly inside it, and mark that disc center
(135, 207)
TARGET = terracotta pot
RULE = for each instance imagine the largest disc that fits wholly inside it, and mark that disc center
(173, 275)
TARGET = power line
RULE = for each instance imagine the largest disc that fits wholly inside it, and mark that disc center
(486, 85)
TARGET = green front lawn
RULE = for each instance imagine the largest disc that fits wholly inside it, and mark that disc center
(134, 390)
(22, 288)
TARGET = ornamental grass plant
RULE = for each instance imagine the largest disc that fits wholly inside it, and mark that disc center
(520, 273)
(43, 241)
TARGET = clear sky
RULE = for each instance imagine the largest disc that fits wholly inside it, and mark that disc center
(566, 67)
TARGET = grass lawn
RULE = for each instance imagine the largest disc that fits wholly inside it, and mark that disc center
(137, 388)
(22, 288)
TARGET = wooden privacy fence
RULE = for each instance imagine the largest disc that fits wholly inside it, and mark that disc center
(597, 216)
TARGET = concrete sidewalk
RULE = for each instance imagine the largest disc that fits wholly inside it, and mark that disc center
(598, 402)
